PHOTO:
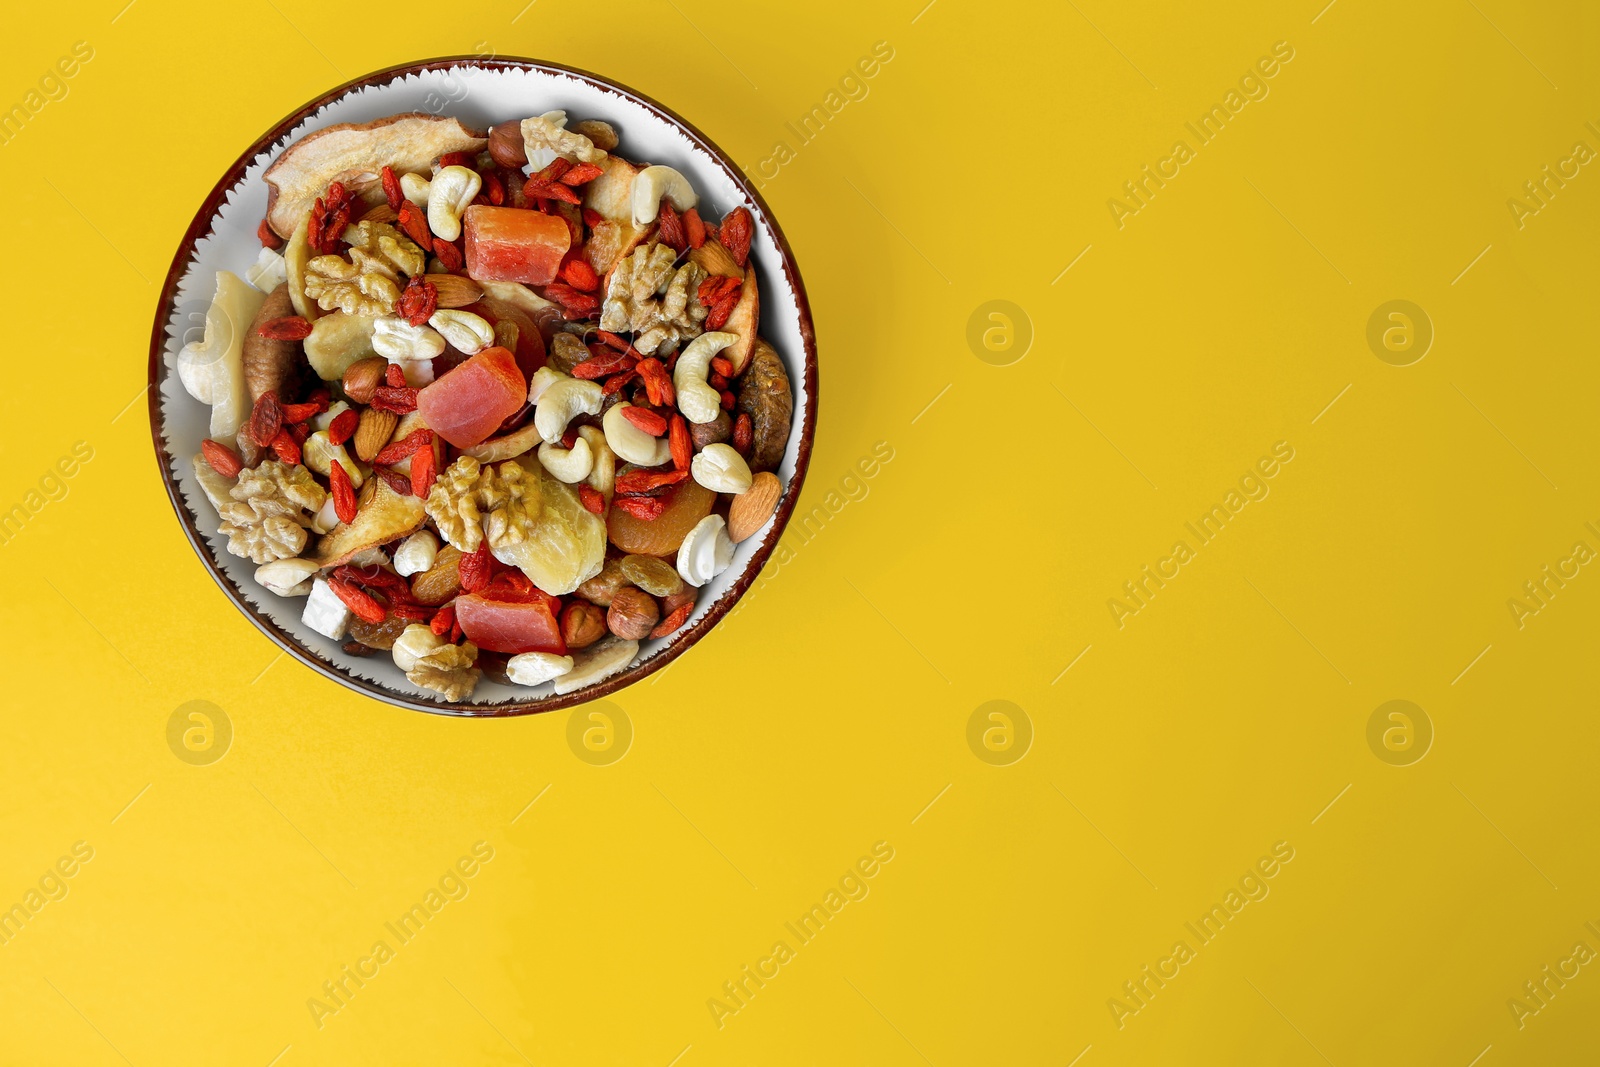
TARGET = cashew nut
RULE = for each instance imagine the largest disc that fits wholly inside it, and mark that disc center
(398, 341)
(632, 443)
(467, 333)
(697, 400)
(706, 551)
(603, 477)
(286, 577)
(560, 403)
(536, 668)
(449, 194)
(319, 454)
(416, 553)
(570, 465)
(720, 469)
(651, 184)
(543, 379)
(414, 642)
(415, 188)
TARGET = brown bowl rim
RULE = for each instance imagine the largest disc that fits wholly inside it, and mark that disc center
(682, 642)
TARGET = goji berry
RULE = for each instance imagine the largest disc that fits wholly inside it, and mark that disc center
(344, 493)
(643, 481)
(593, 501)
(716, 381)
(534, 188)
(737, 229)
(475, 568)
(224, 460)
(646, 508)
(394, 375)
(574, 303)
(743, 433)
(423, 469)
(391, 188)
(448, 254)
(358, 601)
(494, 189)
(267, 236)
(583, 172)
(671, 229)
(287, 448)
(728, 400)
(295, 413)
(401, 401)
(417, 303)
(679, 615)
(694, 228)
(409, 445)
(343, 426)
(603, 366)
(722, 366)
(646, 420)
(609, 338)
(266, 419)
(682, 444)
(592, 218)
(718, 316)
(615, 383)
(580, 275)
(443, 619)
(415, 224)
(552, 171)
(454, 159)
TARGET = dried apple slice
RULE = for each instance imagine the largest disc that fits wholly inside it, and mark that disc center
(383, 516)
(611, 196)
(745, 319)
(353, 153)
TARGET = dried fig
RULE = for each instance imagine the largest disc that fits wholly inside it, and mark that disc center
(765, 394)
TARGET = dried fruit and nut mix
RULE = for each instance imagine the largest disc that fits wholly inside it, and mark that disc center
(501, 407)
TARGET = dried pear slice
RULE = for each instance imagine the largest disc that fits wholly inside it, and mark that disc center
(349, 152)
(383, 516)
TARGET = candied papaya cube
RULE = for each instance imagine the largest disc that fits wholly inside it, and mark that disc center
(466, 405)
(513, 244)
(501, 626)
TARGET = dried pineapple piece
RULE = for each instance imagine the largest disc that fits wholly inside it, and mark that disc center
(565, 546)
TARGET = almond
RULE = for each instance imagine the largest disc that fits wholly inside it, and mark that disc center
(455, 290)
(752, 508)
(380, 213)
(373, 432)
(362, 378)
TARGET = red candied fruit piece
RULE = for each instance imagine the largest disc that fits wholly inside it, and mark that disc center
(469, 403)
(511, 244)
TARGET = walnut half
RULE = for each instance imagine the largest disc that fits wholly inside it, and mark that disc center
(660, 305)
(271, 508)
(447, 669)
(368, 283)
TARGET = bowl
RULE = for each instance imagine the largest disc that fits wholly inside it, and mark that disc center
(481, 92)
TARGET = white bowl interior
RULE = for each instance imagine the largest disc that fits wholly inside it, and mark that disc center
(481, 98)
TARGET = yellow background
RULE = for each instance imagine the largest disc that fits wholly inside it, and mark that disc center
(829, 713)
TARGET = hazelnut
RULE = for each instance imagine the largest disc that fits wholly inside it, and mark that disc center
(715, 432)
(505, 145)
(362, 378)
(685, 595)
(582, 624)
(633, 614)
